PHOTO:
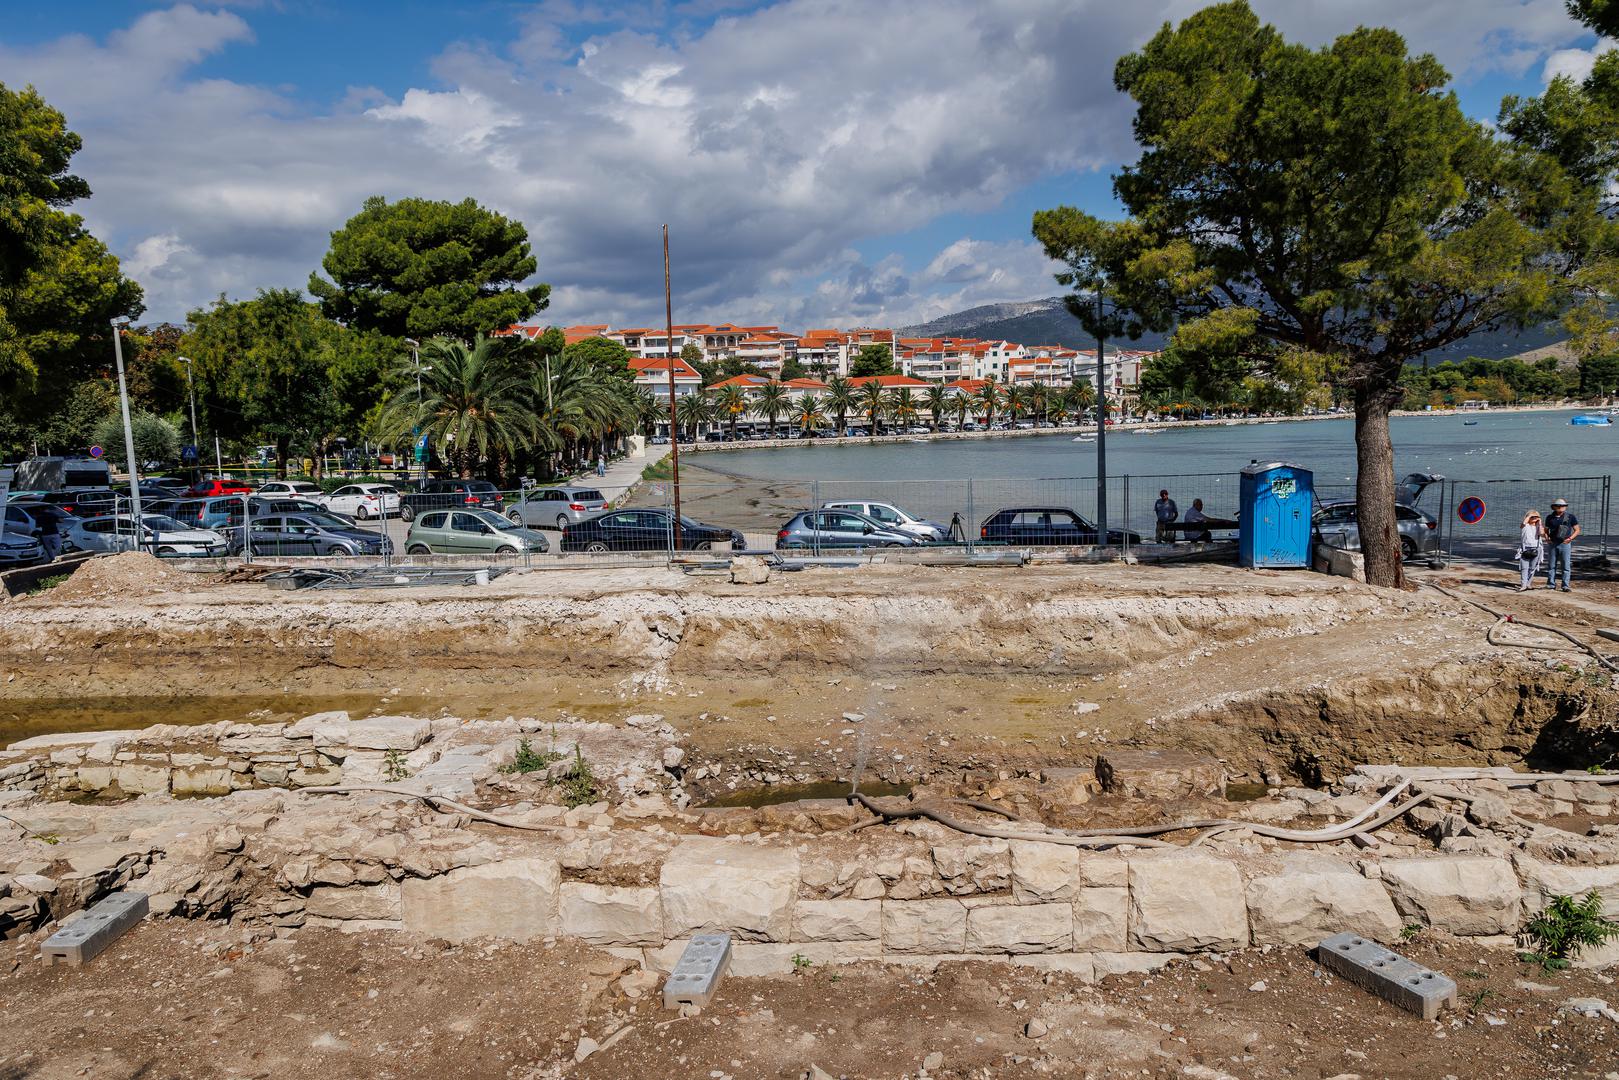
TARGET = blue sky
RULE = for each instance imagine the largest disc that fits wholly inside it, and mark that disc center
(820, 162)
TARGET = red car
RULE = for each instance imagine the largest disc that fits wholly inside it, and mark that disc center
(204, 489)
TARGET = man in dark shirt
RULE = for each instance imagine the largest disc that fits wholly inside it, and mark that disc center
(1562, 529)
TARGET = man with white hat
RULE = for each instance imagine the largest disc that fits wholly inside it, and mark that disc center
(1562, 529)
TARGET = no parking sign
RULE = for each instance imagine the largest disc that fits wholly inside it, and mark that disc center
(1471, 510)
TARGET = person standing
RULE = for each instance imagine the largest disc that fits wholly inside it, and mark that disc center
(1562, 529)
(50, 536)
(1529, 549)
(1166, 512)
(601, 465)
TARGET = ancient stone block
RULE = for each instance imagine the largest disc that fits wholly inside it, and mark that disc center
(142, 779)
(1020, 928)
(1044, 872)
(1101, 920)
(1464, 894)
(608, 915)
(1543, 880)
(711, 884)
(355, 902)
(202, 781)
(1160, 774)
(402, 733)
(515, 899)
(1311, 898)
(976, 866)
(924, 926)
(838, 920)
(1182, 903)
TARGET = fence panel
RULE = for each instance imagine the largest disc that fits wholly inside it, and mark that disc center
(1494, 537)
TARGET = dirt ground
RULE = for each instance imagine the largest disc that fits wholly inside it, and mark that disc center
(177, 999)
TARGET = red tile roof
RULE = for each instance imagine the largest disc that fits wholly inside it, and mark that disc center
(747, 382)
(805, 384)
(888, 382)
(645, 365)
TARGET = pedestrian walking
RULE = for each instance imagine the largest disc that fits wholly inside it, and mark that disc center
(1562, 529)
(1166, 512)
(49, 536)
(1530, 551)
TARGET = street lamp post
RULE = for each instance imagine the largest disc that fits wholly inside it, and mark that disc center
(129, 432)
(1101, 429)
(191, 392)
(416, 366)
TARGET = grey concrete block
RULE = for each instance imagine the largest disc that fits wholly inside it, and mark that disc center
(1389, 975)
(93, 931)
(697, 974)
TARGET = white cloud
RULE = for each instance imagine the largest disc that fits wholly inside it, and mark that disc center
(1574, 63)
(773, 141)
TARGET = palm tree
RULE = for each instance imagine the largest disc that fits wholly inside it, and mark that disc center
(937, 402)
(961, 403)
(988, 397)
(871, 402)
(693, 411)
(730, 405)
(1081, 395)
(773, 402)
(903, 408)
(650, 411)
(1017, 397)
(473, 403)
(839, 400)
(1038, 401)
(808, 415)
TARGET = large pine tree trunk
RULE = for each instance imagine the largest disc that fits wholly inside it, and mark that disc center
(1374, 487)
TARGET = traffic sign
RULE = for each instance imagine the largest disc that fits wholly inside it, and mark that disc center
(96, 451)
(1471, 510)
(188, 455)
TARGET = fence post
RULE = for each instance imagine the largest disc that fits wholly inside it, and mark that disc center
(247, 530)
(1124, 529)
(669, 535)
(815, 518)
(972, 517)
(1607, 493)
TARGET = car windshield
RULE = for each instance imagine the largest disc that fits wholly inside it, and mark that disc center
(162, 521)
(489, 517)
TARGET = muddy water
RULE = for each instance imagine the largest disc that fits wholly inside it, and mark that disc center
(776, 794)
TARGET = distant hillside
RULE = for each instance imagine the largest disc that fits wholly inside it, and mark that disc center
(1047, 322)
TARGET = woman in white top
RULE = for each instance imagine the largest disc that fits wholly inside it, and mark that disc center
(1529, 548)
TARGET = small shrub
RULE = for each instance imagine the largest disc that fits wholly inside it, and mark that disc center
(530, 760)
(1566, 927)
(394, 768)
(578, 783)
(801, 963)
(1410, 931)
(45, 584)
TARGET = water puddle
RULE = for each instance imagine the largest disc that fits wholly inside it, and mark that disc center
(776, 794)
(1245, 792)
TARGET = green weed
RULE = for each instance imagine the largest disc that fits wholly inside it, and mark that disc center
(1566, 927)
(394, 768)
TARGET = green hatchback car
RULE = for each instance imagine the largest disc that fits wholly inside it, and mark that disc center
(470, 532)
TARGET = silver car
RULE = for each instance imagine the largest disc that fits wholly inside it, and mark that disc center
(838, 529)
(556, 507)
(19, 550)
(1337, 525)
(159, 534)
(893, 518)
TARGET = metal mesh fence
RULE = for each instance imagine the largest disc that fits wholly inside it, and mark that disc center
(519, 528)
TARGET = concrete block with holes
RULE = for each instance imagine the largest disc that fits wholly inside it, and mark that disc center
(697, 974)
(93, 931)
(1390, 976)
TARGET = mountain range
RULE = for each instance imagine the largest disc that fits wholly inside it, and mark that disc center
(1047, 322)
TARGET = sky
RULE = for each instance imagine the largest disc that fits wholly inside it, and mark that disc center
(819, 162)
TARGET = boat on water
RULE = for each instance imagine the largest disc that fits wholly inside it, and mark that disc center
(1469, 423)
(1592, 421)
(1146, 431)
(1084, 438)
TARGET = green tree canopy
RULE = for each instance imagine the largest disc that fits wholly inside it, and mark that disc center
(1334, 202)
(60, 287)
(875, 359)
(156, 439)
(1600, 15)
(423, 268)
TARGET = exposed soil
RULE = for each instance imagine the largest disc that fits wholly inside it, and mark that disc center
(177, 999)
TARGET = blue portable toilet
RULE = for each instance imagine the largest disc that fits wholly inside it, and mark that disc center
(1274, 528)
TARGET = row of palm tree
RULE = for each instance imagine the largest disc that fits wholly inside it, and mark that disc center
(492, 404)
(902, 407)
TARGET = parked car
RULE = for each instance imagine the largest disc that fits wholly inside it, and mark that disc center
(893, 518)
(363, 501)
(559, 506)
(206, 488)
(839, 528)
(471, 532)
(1045, 525)
(37, 512)
(150, 489)
(308, 534)
(1336, 526)
(84, 503)
(19, 550)
(211, 513)
(447, 494)
(159, 534)
(20, 520)
(645, 530)
(177, 484)
(295, 489)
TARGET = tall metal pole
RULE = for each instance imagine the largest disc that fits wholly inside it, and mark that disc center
(1101, 430)
(129, 432)
(669, 354)
(416, 429)
(191, 392)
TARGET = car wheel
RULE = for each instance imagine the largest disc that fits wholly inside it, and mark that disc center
(417, 549)
(407, 512)
(165, 551)
(1408, 548)
(562, 521)
(893, 543)
(596, 546)
(363, 513)
(514, 516)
